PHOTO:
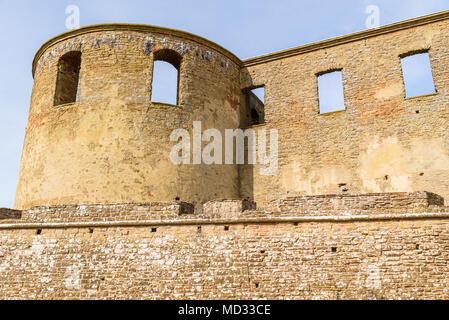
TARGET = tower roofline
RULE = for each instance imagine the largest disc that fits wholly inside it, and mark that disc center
(444, 15)
(132, 27)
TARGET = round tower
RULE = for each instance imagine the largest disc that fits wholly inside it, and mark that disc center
(94, 136)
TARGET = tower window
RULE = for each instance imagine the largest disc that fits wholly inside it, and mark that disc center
(67, 81)
(255, 106)
(165, 84)
(417, 72)
(330, 91)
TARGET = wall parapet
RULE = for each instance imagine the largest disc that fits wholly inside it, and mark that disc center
(346, 204)
(326, 208)
(108, 212)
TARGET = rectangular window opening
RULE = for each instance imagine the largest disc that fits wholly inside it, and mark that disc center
(254, 107)
(417, 73)
(330, 92)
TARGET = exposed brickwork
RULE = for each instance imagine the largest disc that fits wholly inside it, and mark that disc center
(311, 206)
(117, 137)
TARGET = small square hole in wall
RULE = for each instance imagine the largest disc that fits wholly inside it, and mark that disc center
(330, 92)
(226, 228)
(417, 72)
(91, 230)
(200, 229)
(39, 231)
(153, 230)
(334, 249)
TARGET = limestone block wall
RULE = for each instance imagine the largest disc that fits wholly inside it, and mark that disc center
(383, 142)
(164, 251)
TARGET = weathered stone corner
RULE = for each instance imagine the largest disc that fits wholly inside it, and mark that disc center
(9, 214)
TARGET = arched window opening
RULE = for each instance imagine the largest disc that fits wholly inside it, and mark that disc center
(165, 85)
(67, 81)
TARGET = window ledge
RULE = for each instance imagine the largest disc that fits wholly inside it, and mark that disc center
(255, 126)
(332, 112)
(65, 105)
(162, 104)
(422, 96)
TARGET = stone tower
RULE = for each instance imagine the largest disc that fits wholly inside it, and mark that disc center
(93, 134)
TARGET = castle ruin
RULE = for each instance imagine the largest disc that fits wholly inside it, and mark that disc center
(358, 209)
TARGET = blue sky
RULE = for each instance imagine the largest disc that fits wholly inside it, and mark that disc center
(418, 77)
(331, 92)
(247, 28)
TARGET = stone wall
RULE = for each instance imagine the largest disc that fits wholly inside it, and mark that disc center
(383, 142)
(8, 214)
(230, 251)
(112, 212)
(143, 231)
(364, 260)
(113, 144)
(360, 204)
